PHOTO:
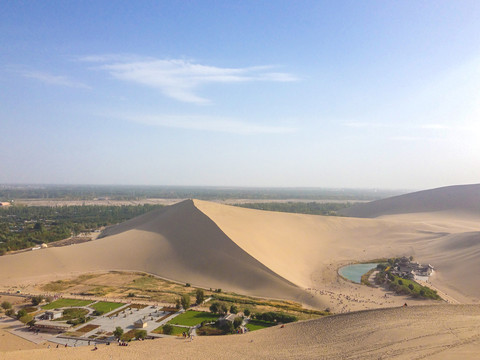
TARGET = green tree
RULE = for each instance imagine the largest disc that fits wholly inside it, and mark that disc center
(185, 300)
(200, 295)
(178, 303)
(223, 309)
(167, 329)
(118, 332)
(237, 322)
(21, 313)
(215, 307)
(6, 305)
(233, 309)
(36, 300)
(411, 287)
(246, 312)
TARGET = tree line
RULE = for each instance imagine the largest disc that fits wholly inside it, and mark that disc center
(27, 226)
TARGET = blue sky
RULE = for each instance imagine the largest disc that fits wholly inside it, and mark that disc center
(373, 94)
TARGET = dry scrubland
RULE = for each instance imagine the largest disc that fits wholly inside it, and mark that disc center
(296, 257)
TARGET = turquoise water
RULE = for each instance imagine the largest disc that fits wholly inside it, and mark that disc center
(354, 272)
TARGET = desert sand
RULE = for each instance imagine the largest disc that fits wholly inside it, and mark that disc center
(269, 254)
(291, 256)
(398, 333)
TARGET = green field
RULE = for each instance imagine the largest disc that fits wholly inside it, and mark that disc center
(258, 324)
(192, 318)
(61, 303)
(177, 330)
(103, 307)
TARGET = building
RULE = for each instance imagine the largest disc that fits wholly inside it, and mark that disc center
(52, 315)
(140, 324)
(412, 270)
(51, 326)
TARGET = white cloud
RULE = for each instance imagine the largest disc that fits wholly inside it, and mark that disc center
(205, 123)
(53, 79)
(178, 78)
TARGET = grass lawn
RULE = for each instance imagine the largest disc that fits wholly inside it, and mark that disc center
(258, 324)
(177, 330)
(105, 306)
(73, 313)
(192, 318)
(60, 303)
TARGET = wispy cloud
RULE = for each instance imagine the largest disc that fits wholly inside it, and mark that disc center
(179, 79)
(51, 79)
(204, 123)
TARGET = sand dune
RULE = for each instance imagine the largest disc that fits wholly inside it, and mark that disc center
(459, 198)
(397, 333)
(178, 243)
(305, 248)
(268, 254)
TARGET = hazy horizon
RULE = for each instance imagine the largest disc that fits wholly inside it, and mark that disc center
(354, 95)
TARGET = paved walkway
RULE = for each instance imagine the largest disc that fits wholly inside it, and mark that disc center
(17, 328)
(443, 295)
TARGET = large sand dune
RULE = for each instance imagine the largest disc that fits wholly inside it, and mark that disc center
(268, 254)
(458, 198)
(178, 243)
(398, 333)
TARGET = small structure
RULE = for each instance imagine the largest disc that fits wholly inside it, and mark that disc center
(5, 203)
(140, 324)
(52, 315)
(227, 318)
(51, 326)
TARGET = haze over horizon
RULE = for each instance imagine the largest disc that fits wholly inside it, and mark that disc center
(289, 94)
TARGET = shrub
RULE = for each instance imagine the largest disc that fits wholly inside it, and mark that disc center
(140, 334)
(21, 313)
(167, 329)
(233, 309)
(10, 312)
(400, 282)
(118, 332)
(246, 312)
(411, 287)
(200, 295)
(26, 319)
(215, 307)
(6, 305)
(131, 295)
(237, 322)
(187, 285)
(226, 327)
(36, 300)
(185, 301)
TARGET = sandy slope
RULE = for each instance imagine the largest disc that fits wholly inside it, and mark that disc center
(458, 198)
(397, 333)
(307, 249)
(178, 242)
